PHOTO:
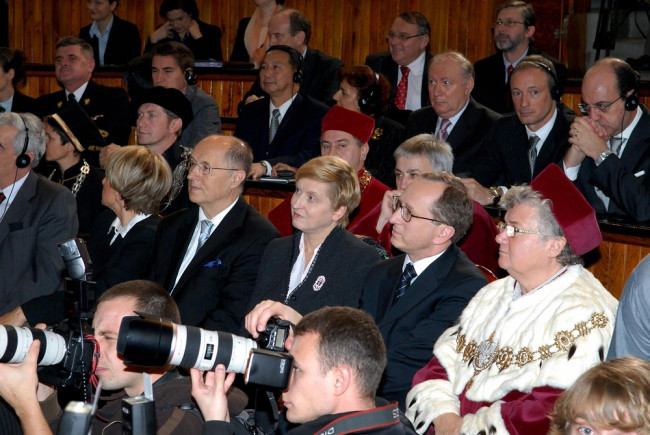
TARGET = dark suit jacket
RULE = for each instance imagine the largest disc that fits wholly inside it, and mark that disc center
(380, 161)
(239, 52)
(318, 78)
(625, 180)
(503, 160)
(123, 42)
(432, 304)
(296, 141)
(490, 88)
(41, 215)
(208, 46)
(384, 64)
(214, 290)
(474, 128)
(22, 103)
(107, 106)
(342, 264)
(127, 258)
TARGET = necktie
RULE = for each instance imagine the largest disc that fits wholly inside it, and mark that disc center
(443, 134)
(2, 197)
(532, 153)
(71, 97)
(509, 70)
(404, 282)
(275, 124)
(206, 227)
(2, 109)
(402, 88)
(615, 144)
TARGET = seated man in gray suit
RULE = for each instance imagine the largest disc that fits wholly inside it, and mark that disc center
(35, 214)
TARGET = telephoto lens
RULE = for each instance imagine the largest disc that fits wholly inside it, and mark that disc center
(15, 342)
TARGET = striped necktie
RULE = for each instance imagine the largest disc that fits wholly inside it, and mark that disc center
(404, 282)
(206, 228)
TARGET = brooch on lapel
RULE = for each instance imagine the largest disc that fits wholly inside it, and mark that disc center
(320, 282)
(86, 101)
(213, 263)
(59, 104)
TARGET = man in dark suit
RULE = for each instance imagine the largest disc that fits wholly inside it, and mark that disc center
(454, 116)
(207, 256)
(12, 74)
(114, 40)
(285, 128)
(292, 28)
(513, 35)
(404, 64)
(609, 158)
(525, 143)
(35, 214)
(106, 106)
(414, 297)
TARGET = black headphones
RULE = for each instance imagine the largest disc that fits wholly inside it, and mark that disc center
(555, 90)
(190, 77)
(23, 160)
(632, 101)
(296, 59)
(367, 93)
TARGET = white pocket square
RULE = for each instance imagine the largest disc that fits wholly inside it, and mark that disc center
(639, 174)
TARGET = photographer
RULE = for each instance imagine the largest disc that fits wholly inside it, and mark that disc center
(338, 358)
(175, 410)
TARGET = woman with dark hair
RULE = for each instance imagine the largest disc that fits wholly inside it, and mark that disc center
(183, 25)
(12, 75)
(252, 38)
(362, 90)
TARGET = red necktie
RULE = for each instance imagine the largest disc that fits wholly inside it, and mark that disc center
(509, 70)
(2, 197)
(402, 88)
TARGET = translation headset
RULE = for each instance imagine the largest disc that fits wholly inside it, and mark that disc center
(367, 93)
(190, 76)
(296, 59)
(23, 160)
(555, 90)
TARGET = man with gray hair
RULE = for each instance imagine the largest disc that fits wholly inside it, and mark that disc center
(454, 116)
(525, 338)
(35, 214)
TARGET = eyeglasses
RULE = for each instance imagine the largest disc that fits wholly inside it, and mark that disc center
(204, 168)
(401, 36)
(512, 230)
(507, 23)
(600, 107)
(406, 213)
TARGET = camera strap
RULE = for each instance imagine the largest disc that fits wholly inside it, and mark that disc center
(383, 416)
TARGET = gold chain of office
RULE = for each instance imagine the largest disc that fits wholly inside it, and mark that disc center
(486, 353)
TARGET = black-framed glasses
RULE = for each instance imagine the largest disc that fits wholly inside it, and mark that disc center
(506, 23)
(511, 230)
(401, 36)
(205, 168)
(406, 213)
(600, 107)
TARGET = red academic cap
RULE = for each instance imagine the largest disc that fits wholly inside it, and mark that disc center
(572, 212)
(355, 123)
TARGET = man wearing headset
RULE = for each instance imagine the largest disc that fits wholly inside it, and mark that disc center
(610, 146)
(525, 143)
(35, 214)
(285, 128)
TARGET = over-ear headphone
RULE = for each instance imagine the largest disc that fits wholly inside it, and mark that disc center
(555, 90)
(366, 94)
(296, 59)
(632, 101)
(190, 77)
(23, 160)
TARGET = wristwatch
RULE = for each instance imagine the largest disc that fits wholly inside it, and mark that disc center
(602, 156)
(497, 193)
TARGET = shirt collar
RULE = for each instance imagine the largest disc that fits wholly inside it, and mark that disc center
(421, 265)
(543, 132)
(78, 93)
(7, 104)
(10, 193)
(417, 66)
(117, 227)
(94, 29)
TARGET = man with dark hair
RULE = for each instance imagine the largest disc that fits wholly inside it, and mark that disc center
(292, 28)
(338, 357)
(609, 158)
(172, 66)
(414, 297)
(284, 128)
(12, 75)
(526, 142)
(524, 338)
(115, 41)
(513, 36)
(207, 256)
(107, 106)
(454, 116)
(404, 64)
